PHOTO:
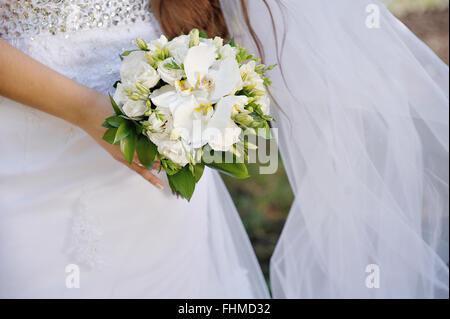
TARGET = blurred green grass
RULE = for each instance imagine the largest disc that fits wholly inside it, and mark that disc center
(401, 7)
(263, 201)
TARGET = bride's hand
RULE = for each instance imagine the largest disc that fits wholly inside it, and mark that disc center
(53, 93)
(92, 125)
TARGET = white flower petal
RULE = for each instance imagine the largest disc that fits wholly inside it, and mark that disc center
(175, 151)
(228, 51)
(198, 61)
(250, 76)
(169, 75)
(227, 77)
(120, 96)
(130, 63)
(264, 101)
(178, 48)
(222, 131)
(135, 68)
(166, 97)
(222, 114)
(158, 44)
(134, 109)
(224, 142)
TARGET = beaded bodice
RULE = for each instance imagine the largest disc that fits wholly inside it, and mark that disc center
(27, 18)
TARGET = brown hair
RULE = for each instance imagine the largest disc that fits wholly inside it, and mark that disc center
(181, 16)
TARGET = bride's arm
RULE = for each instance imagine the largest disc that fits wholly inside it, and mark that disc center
(27, 81)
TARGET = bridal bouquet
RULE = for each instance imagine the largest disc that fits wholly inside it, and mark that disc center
(180, 99)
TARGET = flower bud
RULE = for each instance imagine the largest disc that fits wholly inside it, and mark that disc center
(141, 44)
(244, 119)
(194, 38)
(150, 59)
(142, 89)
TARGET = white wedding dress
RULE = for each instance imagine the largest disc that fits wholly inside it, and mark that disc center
(64, 200)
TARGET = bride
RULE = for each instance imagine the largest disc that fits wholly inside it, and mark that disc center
(363, 131)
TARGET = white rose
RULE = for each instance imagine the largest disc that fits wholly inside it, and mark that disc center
(169, 75)
(158, 45)
(178, 48)
(121, 96)
(135, 68)
(134, 109)
(175, 151)
(131, 108)
(249, 75)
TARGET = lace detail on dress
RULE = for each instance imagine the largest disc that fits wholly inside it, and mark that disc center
(85, 237)
(26, 18)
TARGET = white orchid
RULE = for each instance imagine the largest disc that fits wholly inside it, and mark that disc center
(222, 133)
(197, 122)
(218, 78)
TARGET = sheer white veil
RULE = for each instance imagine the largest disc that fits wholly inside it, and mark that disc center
(362, 122)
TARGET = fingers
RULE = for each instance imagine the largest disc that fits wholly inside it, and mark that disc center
(148, 175)
(156, 164)
(144, 172)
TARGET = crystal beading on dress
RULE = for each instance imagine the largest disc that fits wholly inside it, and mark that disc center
(26, 18)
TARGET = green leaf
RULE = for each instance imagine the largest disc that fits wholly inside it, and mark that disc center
(128, 146)
(110, 135)
(237, 170)
(124, 130)
(203, 34)
(173, 65)
(114, 121)
(116, 108)
(146, 151)
(139, 128)
(183, 182)
(232, 42)
(170, 167)
(198, 172)
(127, 53)
(107, 125)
